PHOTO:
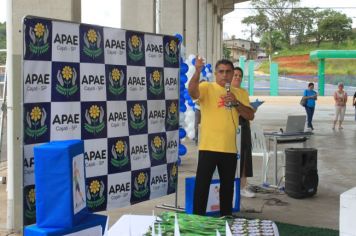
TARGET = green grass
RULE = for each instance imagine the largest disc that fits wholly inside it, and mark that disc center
(333, 66)
(296, 230)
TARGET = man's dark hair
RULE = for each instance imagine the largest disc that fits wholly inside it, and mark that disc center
(310, 84)
(224, 62)
(239, 68)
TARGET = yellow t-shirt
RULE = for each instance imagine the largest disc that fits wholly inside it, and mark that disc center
(218, 124)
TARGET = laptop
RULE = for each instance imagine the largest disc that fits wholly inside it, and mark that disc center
(295, 124)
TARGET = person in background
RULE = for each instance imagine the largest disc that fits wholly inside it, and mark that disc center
(340, 98)
(354, 103)
(196, 122)
(220, 107)
(246, 169)
(311, 96)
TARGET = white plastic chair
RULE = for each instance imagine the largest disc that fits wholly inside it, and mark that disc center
(259, 148)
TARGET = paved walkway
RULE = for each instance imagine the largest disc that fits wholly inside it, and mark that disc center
(336, 167)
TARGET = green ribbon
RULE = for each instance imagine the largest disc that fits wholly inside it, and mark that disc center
(190, 225)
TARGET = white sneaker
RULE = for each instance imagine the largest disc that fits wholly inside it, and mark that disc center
(245, 192)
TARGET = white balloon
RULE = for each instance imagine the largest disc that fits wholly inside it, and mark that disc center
(190, 59)
(188, 120)
(190, 113)
(182, 51)
(190, 72)
(190, 126)
(181, 118)
(191, 134)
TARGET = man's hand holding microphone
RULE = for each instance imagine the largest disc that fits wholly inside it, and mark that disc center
(230, 99)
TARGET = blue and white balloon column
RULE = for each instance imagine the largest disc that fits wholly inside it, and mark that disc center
(186, 103)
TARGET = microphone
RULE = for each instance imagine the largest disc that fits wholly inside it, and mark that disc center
(227, 88)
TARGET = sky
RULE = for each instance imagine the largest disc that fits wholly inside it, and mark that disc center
(108, 14)
(233, 26)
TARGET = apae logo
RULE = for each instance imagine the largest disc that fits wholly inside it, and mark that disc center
(137, 114)
(156, 82)
(95, 194)
(141, 185)
(123, 189)
(116, 79)
(30, 201)
(35, 121)
(172, 115)
(66, 81)
(159, 179)
(92, 40)
(135, 48)
(173, 177)
(158, 147)
(119, 152)
(94, 119)
(39, 39)
(171, 52)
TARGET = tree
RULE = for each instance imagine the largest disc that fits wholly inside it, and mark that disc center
(335, 26)
(303, 19)
(226, 52)
(272, 41)
(263, 26)
(273, 14)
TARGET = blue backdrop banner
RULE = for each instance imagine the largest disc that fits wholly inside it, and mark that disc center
(118, 91)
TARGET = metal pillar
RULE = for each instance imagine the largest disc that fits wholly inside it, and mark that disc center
(251, 82)
(274, 79)
(321, 76)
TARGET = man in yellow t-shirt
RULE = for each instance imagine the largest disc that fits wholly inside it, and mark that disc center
(220, 106)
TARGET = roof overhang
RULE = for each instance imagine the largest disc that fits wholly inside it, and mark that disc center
(335, 54)
(227, 6)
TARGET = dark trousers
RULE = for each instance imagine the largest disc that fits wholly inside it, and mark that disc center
(226, 164)
(310, 113)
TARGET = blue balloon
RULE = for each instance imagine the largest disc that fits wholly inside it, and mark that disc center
(203, 68)
(181, 100)
(204, 73)
(182, 150)
(193, 61)
(182, 133)
(181, 89)
(181, 60)
(191, 103)
(183, 108)
(180, 37)
(183, 68)
(187, 97)
(208, 66)
(179, 161)
(183, 78)
(182, 84)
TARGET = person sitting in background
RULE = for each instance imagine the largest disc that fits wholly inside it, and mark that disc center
(340, 98)
(310, 95)
(246, 169)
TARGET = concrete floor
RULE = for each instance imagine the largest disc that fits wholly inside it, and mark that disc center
(336, 168)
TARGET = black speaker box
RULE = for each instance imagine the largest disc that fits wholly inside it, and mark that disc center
(301, 172)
